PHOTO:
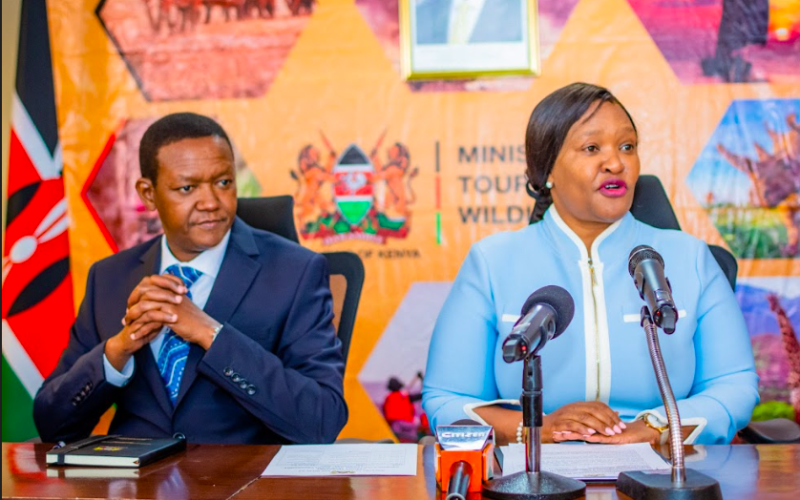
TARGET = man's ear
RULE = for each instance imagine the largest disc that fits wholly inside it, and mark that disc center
(147, 192)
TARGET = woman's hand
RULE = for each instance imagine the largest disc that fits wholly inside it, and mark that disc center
(504, 422)
(580, 421)
(636, 432)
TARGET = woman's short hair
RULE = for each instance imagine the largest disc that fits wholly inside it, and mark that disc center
(170, 129)
(547, 129)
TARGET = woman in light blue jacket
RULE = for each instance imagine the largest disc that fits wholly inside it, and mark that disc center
(599, 386)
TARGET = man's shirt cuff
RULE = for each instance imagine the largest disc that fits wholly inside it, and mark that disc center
(115, 378)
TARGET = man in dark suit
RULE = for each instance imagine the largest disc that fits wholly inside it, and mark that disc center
(216, 331)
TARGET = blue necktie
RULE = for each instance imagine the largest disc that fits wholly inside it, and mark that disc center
(175, 350)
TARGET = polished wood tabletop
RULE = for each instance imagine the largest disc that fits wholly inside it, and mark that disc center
(216, 471)
(201, 472)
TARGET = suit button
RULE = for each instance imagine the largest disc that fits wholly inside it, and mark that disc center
(243, 384)
(236, 378)
(227, 372)
(251, 390)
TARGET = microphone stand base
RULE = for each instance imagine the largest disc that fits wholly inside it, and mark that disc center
(533, 486)
(659, 486)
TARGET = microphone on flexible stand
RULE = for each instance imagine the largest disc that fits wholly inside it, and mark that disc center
(646, 267)
(647, 270)
(545, 316)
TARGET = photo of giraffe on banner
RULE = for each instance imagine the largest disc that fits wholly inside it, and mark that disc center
(747, 178)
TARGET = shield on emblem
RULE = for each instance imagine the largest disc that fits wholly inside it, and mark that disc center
(353, 188)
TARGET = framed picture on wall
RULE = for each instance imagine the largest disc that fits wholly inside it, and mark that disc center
(456, 39)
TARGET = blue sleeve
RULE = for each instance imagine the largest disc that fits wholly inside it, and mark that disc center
(725, 386)
(76, 394)
(461, 357)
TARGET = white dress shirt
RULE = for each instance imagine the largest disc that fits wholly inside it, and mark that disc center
(208, 263)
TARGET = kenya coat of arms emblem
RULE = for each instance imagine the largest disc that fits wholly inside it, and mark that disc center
(354, 195)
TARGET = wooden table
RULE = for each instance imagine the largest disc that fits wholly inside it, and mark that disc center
(201, 472)
(212, 471)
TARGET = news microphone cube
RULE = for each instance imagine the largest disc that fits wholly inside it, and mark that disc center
(464, 449)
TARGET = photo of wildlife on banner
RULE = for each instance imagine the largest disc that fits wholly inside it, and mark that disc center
(748, 178)
(771, 308)
(203, 49)
(726, 41)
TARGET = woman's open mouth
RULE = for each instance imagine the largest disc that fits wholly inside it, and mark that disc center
(614, 188)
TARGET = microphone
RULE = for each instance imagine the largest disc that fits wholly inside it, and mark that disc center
(646, 267)
(545, 316)
(464, 458)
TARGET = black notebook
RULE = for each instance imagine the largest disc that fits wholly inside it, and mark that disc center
(114, 451)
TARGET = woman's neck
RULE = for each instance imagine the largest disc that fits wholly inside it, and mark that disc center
(587, 231)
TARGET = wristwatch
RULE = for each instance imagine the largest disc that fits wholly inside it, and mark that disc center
(216, 332)
(651, 420)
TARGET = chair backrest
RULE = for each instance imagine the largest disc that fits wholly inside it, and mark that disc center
(346, 280)
(276, 215)
(271, 213)
(651, 206)
(727, 262)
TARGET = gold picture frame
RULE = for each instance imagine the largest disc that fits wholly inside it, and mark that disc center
(426, 55)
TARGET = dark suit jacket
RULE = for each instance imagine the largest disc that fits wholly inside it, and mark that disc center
(499, 21)
(273, 374)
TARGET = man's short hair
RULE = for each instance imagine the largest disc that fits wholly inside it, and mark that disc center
(173, 128)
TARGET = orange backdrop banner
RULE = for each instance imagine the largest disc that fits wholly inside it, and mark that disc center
(410, 174)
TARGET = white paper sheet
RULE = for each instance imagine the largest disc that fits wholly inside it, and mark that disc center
(589, 462)
(344, 460)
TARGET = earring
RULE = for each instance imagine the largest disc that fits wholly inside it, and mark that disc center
(548, 185)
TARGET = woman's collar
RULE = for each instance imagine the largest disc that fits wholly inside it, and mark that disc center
(553, 217)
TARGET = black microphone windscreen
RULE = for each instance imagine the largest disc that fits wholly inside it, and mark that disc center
(557, 298)
(640, 253)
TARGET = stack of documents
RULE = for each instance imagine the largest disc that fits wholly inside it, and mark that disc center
(344, 460)
(586, 462)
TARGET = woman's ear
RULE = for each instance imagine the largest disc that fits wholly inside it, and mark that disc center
(146, 190)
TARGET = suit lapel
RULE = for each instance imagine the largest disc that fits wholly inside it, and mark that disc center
(235, 276)
(145, 361)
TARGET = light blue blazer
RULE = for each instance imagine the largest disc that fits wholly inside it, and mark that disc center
(602, 355)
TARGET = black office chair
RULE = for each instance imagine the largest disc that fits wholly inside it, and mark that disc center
(651, 206)
(346, 281)
(276, 215)
(272, 213)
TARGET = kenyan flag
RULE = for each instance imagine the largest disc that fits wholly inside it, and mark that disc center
(37, 287)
